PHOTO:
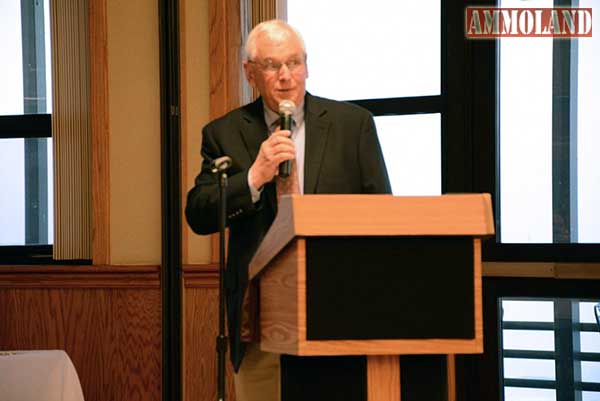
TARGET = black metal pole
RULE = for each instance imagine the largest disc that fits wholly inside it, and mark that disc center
(221, 338)
(171, 266)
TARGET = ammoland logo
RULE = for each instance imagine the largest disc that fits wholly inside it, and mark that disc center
(489, 22)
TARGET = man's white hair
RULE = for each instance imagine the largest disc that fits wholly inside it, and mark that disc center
(275, 30)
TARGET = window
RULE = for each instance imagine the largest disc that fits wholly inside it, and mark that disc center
(549, 170)
(26, 218)
(354, 55)
(550, 349)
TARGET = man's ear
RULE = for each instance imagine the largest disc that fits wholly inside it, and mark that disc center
(249, 74)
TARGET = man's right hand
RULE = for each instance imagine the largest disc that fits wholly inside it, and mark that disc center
(273, 151)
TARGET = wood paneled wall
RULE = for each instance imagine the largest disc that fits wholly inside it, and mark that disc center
(107, 319)
(201, 306)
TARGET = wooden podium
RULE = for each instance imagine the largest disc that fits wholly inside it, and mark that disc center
(373, 275)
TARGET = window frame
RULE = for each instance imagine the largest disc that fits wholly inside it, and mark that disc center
(566, 333)
(26, 126)
(480, 377)
(484, 158)
(31, 126)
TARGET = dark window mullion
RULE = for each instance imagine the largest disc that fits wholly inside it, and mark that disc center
(579, 387)
(528, 383)
(587, 356)
(564, 138)
(402, 105)
(34, 102)
(563, 344)
(593, 327)
(26, 126)
(26, 254)
(575, 348)
(34, 56)
(500, 346)
(528, 325)
(527, 354)
(36, 191)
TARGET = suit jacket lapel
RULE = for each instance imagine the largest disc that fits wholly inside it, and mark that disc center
(317, 130)
(253, 128)
(253, 131)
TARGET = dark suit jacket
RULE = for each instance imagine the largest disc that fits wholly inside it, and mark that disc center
(342, 156)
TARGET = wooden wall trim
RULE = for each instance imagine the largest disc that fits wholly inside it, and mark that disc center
(207, 275)
(225, 60)
(100, 133)
(582, 271)
(201, 276)
(79, 276)
(225, 41)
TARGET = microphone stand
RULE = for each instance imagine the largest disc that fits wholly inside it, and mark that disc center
(220, 167)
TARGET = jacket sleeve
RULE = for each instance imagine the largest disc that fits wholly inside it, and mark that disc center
(373, 173)
(203, 199)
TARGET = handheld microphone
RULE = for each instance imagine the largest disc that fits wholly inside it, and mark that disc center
(286, 109)
(220, 164)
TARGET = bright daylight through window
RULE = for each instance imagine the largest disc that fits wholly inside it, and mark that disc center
(548, 140)
(26, 200)
(348, 60)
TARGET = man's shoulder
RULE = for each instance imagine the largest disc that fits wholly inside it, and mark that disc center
(233, 117)
(337, 106)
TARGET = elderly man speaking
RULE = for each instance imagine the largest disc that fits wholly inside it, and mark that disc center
(332, 148)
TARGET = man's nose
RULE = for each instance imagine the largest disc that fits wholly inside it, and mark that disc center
(284, 72)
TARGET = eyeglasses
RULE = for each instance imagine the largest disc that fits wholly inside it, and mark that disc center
(272, 67)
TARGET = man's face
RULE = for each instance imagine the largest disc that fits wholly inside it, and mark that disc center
(276, 84)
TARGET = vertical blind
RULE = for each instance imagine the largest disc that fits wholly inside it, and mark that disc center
(71, 129)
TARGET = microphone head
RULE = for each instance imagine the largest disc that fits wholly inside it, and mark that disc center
(286, 107)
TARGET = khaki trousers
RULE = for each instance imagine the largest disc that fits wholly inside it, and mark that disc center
(259, 377)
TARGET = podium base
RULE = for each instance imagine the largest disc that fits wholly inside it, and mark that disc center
(345, 378)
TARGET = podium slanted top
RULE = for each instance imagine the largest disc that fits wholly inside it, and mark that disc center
(373, 215)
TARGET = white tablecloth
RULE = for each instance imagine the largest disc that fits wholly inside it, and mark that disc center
(38, 376)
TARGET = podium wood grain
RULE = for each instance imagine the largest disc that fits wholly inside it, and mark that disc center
(383, 378)
(282, 291)
(283, 315)
(374, 215)
(451, 376)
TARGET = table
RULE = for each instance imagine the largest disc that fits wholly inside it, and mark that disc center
(38, 376)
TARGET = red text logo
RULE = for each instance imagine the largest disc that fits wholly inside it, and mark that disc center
(488, 22)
